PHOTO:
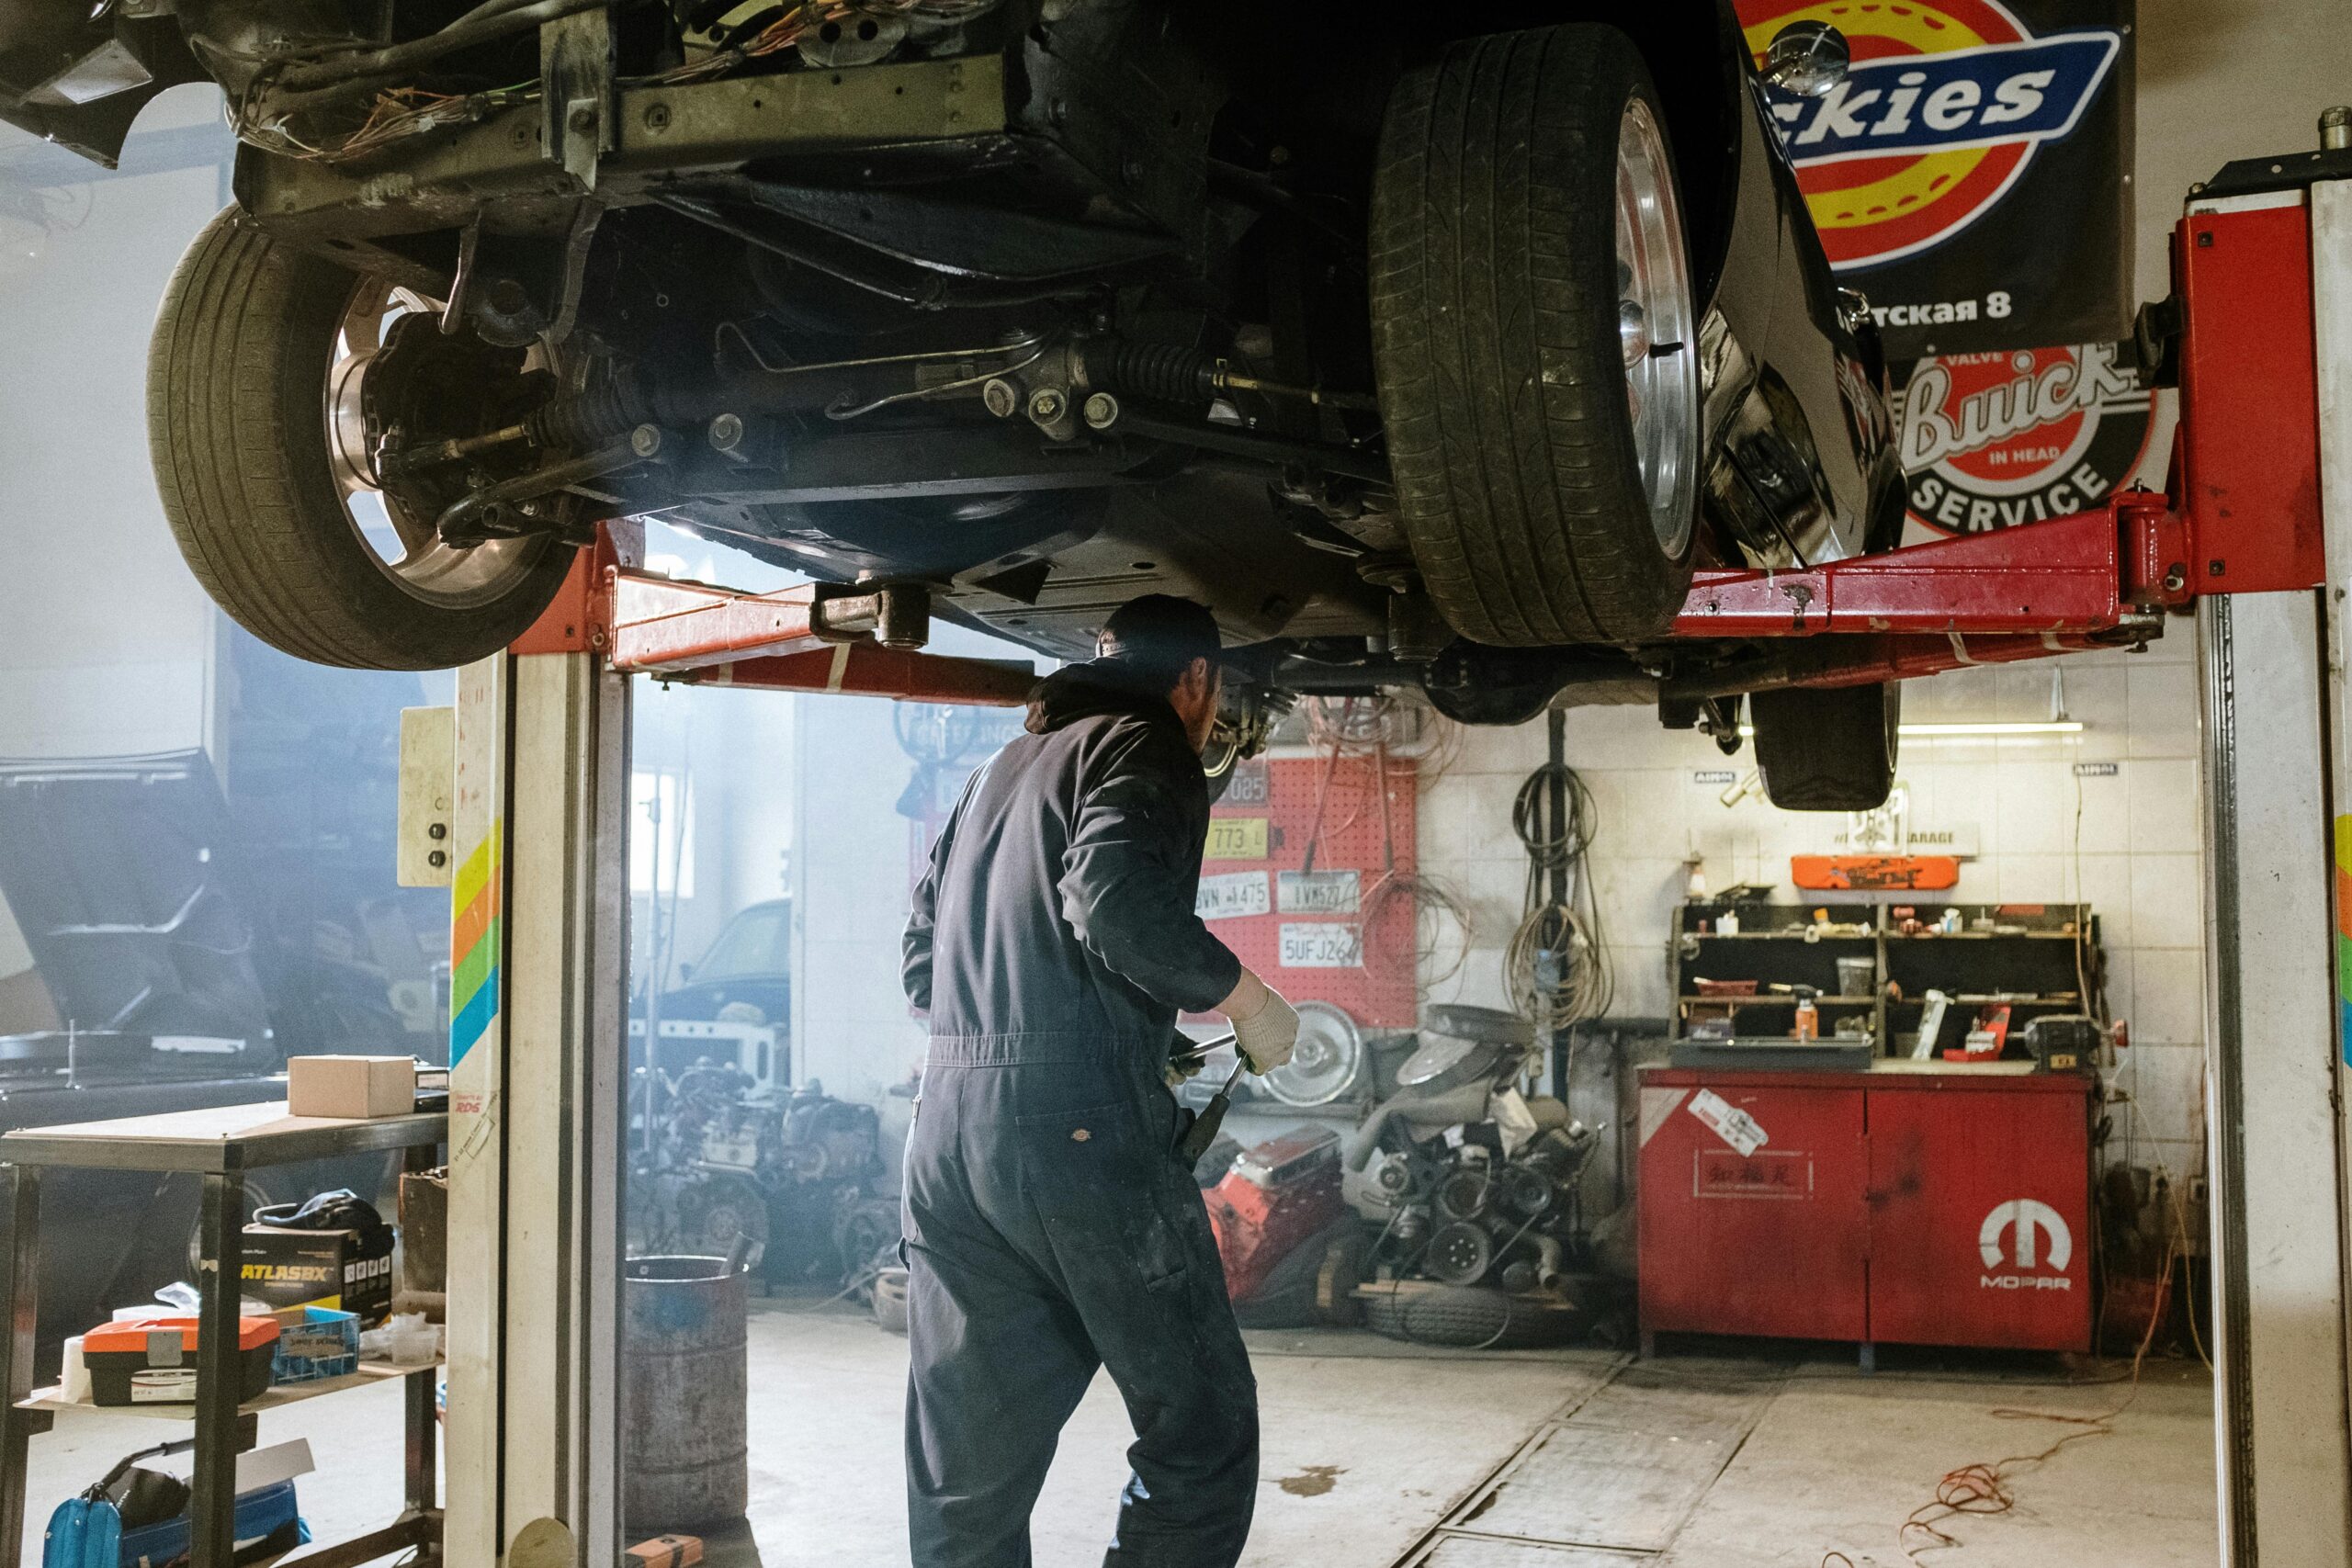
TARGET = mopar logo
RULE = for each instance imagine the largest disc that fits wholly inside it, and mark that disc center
(2039, 1246)
(1970, 97)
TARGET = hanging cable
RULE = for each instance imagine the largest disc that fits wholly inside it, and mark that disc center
(1566, 929)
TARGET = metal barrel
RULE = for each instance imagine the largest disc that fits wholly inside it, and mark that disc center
(685, 1452)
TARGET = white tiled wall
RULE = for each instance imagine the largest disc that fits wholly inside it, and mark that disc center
(2126, 843)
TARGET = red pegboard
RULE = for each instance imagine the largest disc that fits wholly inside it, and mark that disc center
(1356, 834)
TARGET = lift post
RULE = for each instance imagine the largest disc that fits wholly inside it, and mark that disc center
(2259, 502)
(2266, 429)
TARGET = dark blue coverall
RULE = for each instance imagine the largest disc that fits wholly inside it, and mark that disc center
(1051, 1226)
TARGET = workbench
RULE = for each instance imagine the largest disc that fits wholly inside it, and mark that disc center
(1923, 1202)
(219, 1145)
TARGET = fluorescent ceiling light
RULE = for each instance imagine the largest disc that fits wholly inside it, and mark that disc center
(2051, 726)
(2047, 727)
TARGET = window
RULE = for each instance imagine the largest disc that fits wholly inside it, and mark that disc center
(660, 836)
(756, 942)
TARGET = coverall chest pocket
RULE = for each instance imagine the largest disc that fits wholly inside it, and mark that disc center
(1092, 1175)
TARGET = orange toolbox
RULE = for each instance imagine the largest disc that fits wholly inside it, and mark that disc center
(152, 1361)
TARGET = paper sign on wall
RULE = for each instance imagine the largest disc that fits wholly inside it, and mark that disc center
(1318, 892)
(1322, 945)
(1231, 895)
(1730, 1124)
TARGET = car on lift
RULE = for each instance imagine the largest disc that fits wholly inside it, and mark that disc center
(1429, 348)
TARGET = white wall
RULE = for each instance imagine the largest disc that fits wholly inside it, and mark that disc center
(109, 644)
(2134, 859)
(2225, 79)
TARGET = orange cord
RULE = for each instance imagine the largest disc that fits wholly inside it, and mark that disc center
(1985, 1488)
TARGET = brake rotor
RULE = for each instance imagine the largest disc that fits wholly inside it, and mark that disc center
(1326, 1061)
(1459, 1255)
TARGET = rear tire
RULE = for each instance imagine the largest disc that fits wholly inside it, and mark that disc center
(1499, 295)
(1828, 748)
(237, 427)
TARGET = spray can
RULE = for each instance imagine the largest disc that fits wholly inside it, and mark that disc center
(1808, 1017)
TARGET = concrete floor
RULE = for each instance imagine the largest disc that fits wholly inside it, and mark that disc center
(1380, 1455)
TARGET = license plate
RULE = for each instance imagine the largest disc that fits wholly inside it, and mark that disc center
(1237, 837)
(1319, 892)
(1321, 945)
(1232, 895)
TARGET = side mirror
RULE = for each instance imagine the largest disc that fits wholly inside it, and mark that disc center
(685, 973)
(1808, 59)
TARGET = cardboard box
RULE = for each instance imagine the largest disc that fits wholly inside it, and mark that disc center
(346, 1270)
(350, 1087)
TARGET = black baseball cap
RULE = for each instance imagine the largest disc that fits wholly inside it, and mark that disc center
(1160, 633)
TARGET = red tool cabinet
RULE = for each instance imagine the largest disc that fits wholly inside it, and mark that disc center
(1915, 1202)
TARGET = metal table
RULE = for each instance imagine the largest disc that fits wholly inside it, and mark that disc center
(219, 1145)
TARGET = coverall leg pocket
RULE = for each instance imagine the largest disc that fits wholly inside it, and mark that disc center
(1089, 1175)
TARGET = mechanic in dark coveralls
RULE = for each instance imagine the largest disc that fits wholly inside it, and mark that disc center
(1051, 1226)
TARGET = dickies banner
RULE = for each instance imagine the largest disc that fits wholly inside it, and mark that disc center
(1969, 175)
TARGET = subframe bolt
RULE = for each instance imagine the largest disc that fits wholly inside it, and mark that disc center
(1101, 410)
(583, 117)
(1001, 397)
(645, 440)
(726, 433)
(1047, 405)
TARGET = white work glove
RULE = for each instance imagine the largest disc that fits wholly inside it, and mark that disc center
(1266, 1027)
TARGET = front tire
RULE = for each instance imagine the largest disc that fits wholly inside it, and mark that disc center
(248, 338)
(1535, 331)
(1828, 748)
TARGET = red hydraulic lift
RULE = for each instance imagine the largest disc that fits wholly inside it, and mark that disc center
(2259, 334)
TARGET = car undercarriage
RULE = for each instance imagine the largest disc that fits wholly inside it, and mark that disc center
(1030, 306)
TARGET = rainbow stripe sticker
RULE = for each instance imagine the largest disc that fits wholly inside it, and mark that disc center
(476, 942)
(2343, 936)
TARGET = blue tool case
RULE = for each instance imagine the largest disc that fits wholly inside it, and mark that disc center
(87, 1531)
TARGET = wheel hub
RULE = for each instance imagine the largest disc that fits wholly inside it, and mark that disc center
(1656, 328)
(394, 377)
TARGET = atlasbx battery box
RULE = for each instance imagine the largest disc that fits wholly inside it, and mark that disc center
(152, 1361)
(348, 1271)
